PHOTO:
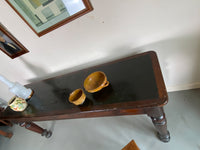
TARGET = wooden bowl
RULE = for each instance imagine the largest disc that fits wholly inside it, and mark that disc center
(95, 82)
(77, 97)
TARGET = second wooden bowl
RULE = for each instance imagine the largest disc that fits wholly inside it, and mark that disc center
(95, 82)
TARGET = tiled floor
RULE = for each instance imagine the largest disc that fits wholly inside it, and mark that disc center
(113, 133)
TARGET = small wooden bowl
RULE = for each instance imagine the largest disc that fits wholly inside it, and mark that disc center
(95, 82)
(77, 97)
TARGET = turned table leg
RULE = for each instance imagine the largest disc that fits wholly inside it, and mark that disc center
(8, 123)
(6, 134)
(158, 118)
(3, 133)
(35, 128)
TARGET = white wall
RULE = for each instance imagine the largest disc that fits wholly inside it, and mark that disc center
(113, 29)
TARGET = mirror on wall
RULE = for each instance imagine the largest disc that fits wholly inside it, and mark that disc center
(43, 16)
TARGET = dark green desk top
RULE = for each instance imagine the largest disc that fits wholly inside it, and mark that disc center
(135, 82)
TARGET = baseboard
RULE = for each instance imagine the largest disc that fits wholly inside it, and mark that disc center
(183, 87)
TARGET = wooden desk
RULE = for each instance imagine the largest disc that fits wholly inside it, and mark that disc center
(136, 87)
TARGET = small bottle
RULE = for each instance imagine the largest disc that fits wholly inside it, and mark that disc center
(18, 89)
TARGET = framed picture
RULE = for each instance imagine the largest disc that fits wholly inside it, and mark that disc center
(43, 16)
(9, 44)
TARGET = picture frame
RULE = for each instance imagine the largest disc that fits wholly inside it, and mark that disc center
(43, 16)
(9, 44)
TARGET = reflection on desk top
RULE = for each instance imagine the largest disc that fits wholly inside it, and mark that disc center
(134, 82)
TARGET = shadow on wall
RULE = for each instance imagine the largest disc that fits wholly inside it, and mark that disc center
(37, 70)
(179, 61)
(178, 57)
(42, 73)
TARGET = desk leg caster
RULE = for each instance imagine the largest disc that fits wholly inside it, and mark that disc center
(35, 128)
(47, 134)
(164, 138)
(158, 118)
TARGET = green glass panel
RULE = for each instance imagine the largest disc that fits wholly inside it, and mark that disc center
(29, 13)
(60, 5)
(35, 3)
(48, 13)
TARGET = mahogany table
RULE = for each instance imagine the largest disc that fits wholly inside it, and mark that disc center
(136, 87)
